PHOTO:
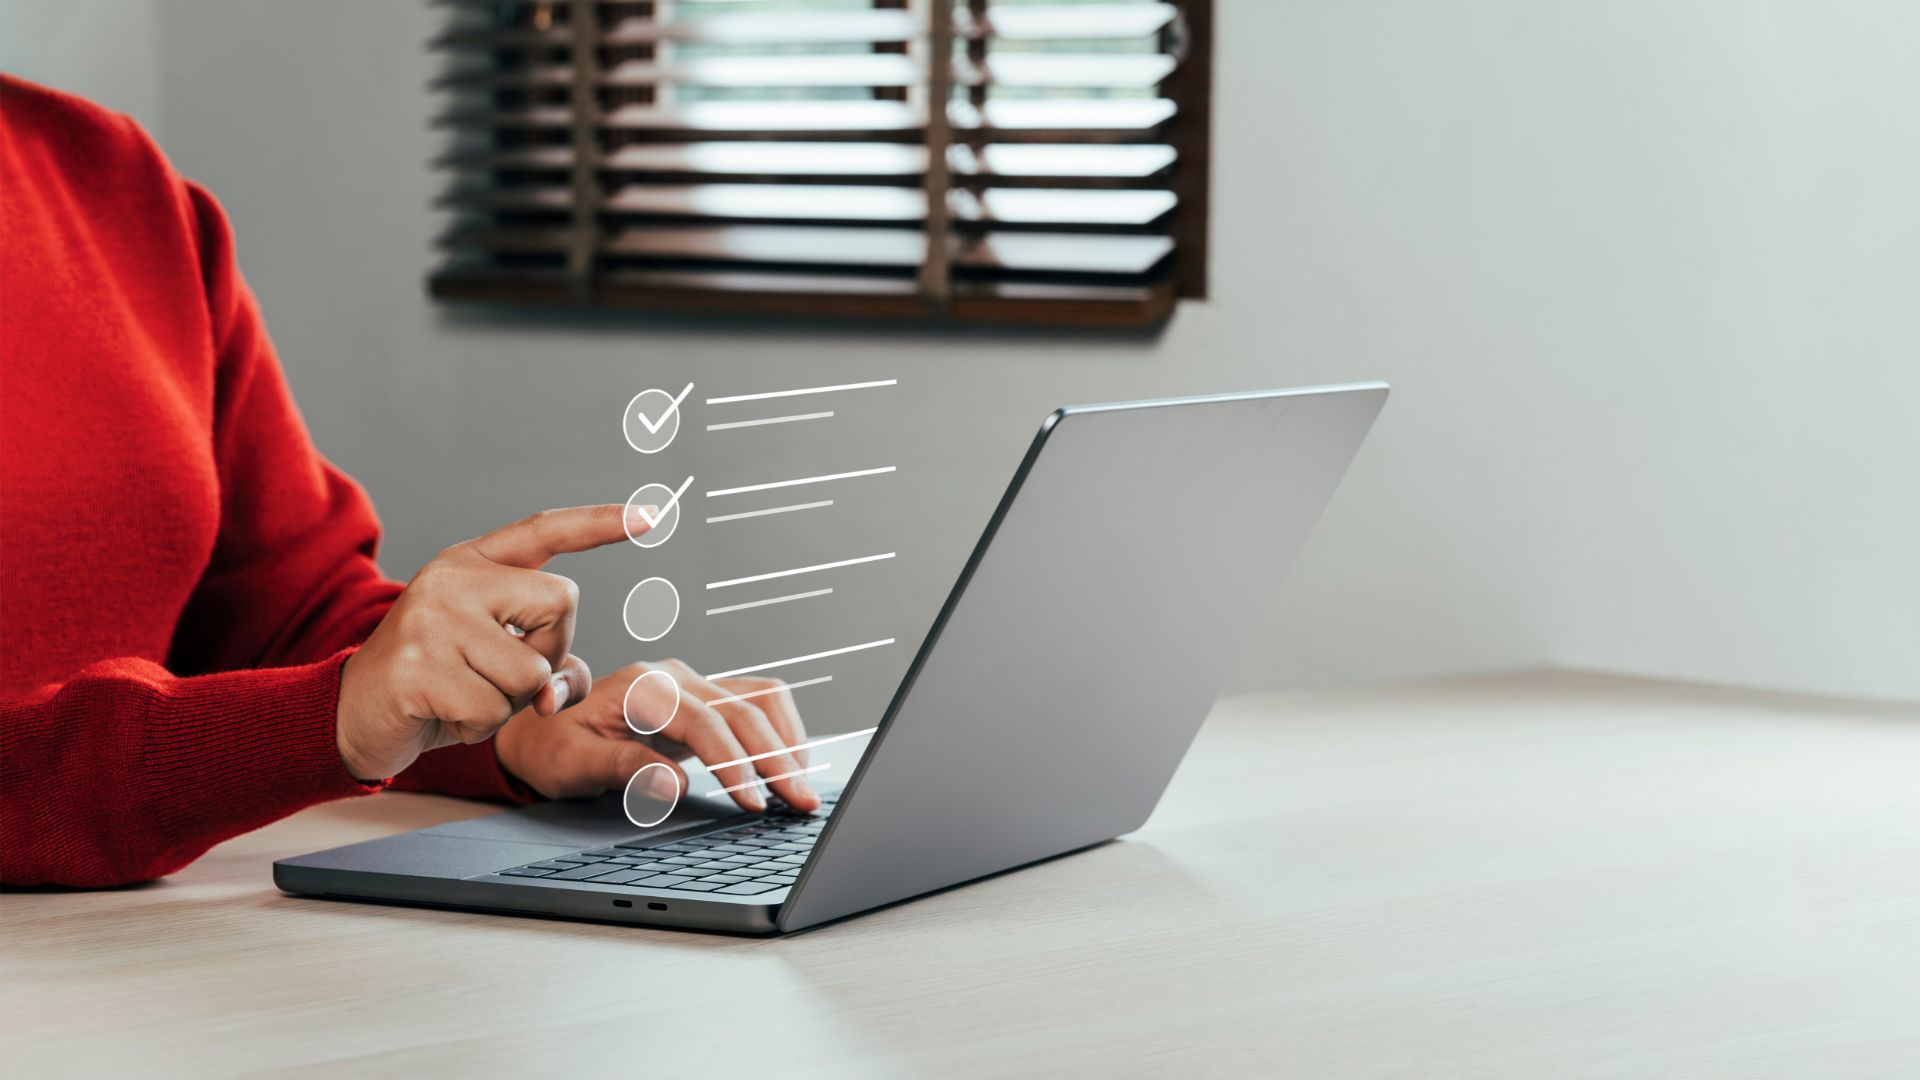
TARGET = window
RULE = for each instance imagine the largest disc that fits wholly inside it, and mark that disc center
(779, 156)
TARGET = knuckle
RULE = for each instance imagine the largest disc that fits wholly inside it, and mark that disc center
(538, 671)
(410, 661)
(435, 579)
(566, 591)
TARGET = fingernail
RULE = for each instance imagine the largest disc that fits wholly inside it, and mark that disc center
(562, 689)
(754, 801)
(662, 785)
(806, 789)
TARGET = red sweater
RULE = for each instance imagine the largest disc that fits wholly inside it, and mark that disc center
(186, 572)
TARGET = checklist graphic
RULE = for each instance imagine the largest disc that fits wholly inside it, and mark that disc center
(653, 607)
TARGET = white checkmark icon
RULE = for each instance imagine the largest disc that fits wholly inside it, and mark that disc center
(659, 516)
(653, 426)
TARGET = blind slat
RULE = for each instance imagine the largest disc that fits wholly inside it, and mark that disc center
(1073, 22)
(900, 248)
(1060, 118)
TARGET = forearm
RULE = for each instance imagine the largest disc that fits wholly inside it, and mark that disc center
(125, 773)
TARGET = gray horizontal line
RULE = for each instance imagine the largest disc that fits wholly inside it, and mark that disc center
(751, 694)
(769, 420)
(774, 510)
(798, 659)
(803, 390)
(802, 480)
(764, 603)
(799, 570)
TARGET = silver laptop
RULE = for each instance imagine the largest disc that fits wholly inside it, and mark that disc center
(1083, 644)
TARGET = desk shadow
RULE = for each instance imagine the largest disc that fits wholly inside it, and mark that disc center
(45, 890)
(394, 915)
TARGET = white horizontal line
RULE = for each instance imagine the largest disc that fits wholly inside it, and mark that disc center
(764, 603)
(791, 749)
(769, 779)
(775, 510)
(799, 570)
(769, 690)
(769, 420)
(797, 393)
(802, 480)
(798, 659)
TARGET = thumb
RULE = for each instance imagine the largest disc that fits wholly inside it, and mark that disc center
(568, 684)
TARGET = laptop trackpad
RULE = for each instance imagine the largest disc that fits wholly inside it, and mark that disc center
(578, 823)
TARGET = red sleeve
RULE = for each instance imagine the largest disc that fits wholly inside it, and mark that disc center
(293, 576)
(127, 770)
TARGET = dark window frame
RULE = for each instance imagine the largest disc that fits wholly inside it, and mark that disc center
(571, 95)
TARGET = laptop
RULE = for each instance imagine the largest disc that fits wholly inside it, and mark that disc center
(1108, 599)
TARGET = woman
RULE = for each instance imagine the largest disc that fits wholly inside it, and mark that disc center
(203, 643)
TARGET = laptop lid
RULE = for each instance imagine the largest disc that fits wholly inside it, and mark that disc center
(1085, 640)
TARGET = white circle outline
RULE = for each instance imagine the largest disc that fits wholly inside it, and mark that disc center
(626, 704)
(629, 601)
(672, 511)
(626, 797)
(635, 400)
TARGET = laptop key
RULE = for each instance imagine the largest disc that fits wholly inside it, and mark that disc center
(750, 888)
(525, 871)
(578, 873)
(697, 886)
(726, 879)
(549, 867)
(749, 872)
(619, 877)
(661, 881)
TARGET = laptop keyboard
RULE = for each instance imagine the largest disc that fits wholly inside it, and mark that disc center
(761, 856)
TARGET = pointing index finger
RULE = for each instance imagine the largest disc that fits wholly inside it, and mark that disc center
(532, 541)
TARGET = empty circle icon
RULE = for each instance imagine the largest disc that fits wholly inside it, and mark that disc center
(652, 607)
(651, 794)
(651, 702)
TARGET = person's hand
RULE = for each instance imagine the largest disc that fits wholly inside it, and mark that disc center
(479, 634)
(588, 748)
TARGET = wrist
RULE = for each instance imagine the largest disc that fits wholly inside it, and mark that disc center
(359, 765)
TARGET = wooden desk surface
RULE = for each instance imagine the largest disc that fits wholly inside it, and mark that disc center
(1536, 875)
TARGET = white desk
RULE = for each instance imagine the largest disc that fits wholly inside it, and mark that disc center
(1529, 876)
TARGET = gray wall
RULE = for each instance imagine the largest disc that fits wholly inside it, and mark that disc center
(1641, 273)
(104, 50)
